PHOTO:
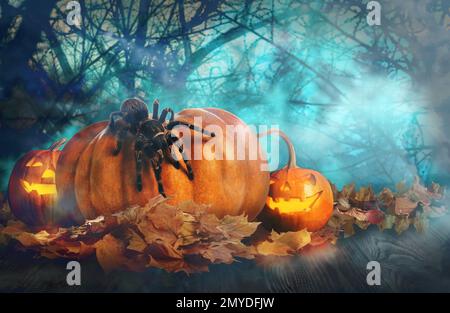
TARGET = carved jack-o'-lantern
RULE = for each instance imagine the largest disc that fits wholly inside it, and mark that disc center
(32, 189)
(298, 198)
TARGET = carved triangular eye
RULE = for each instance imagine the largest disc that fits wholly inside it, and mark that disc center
(285, 187)
(48, 173)
(33, 163)
(311, 179)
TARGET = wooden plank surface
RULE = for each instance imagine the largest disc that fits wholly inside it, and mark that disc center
(410, 262)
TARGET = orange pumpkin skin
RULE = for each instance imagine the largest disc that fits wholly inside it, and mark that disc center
(32, 189)
(66, 167)
(95, 182)
(299, 198)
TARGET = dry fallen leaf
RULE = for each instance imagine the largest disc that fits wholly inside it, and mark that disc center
(387, 223)
(404, 206)
(323, 236)
(188, 238)
(401, 224)
(110, 253)
(177, 238)
(284, 244)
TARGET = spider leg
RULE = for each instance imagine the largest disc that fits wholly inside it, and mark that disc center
(164, 113)
(138, 155)
(112, 122)
(172, 139)
(155, 109)
(168, 156)
(172, 124)
(120, 136)
(157, 169)
(190, 172)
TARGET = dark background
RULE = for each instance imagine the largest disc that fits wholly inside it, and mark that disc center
(364, 104)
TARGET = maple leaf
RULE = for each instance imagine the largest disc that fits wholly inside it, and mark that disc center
(401, 224)
(362, 224)
(348, 229)
(347, 191)
(194, 208)
(241, 250)
(284, 244)
(386, 199)
(188, 237)
(419, 193)
(219, 253)
(323, 236)
(176, 239)
(404, 206)
(387, 223)
(110, 252)
(209, 224)
(237, 226)
(135, 241)
(375, 216)
(365, 194)
(343, 205)
(50, 245)
(436, 190)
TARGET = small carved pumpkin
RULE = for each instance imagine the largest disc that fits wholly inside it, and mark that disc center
(32, 189)
(298, 198)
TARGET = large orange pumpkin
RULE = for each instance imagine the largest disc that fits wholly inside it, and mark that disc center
(32, 189)
(92, 180)
(298, 198)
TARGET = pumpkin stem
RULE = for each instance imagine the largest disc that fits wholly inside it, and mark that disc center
(54, 146)
(292, 163)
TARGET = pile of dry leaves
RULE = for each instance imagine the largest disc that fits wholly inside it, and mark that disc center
(388, 209)
(187, 238)
(182, 238)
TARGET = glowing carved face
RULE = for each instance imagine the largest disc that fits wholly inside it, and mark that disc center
(40, 178)
(32, 190)
(297, 195)
(300, 198)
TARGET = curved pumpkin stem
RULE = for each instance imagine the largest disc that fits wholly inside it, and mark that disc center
(57, 144)
(292, 163)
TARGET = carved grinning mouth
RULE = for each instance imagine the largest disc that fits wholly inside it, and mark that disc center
(293, 205)
(41, 189)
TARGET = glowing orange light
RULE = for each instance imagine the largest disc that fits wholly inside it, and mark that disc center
(292, 205)
(41, 189)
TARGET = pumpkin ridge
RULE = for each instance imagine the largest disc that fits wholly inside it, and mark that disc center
(86, 208)
(244, 166)
(223, 185)
(98, 198)
(66, 169)
(225, 170)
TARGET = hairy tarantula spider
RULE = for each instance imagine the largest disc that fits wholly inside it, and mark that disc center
(153, 137)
